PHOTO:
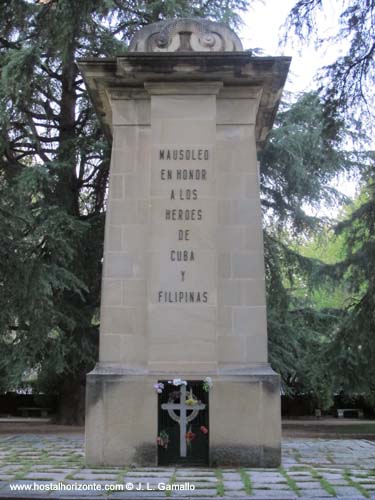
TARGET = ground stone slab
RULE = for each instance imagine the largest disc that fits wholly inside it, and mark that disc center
(315, 493)
(347, 491)
(233, 485)
(274, 495)
(273, 486)
(45, 476)
(50, 458)
(195, 493)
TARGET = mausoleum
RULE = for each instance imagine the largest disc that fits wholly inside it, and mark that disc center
(183, 374)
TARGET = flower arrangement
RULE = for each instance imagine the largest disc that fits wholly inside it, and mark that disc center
(207, 384)
(159, 387)
(163, 439)
(191, 400)
(177, 382)
(190, 436)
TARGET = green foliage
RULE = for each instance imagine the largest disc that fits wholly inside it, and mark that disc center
(348, 91)
(43, 289)
(349, 81)
(303, 155)
(328, 249)
(54, 164)
(354, 345)
(306, 303)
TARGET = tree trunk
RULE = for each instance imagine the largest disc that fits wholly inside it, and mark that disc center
(71, 408)
(67, 186)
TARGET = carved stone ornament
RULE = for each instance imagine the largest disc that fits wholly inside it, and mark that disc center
(185, 35)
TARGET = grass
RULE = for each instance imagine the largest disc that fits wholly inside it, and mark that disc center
(367, 428)
(121, 474)
(172, 480)
(299, 468)
(290, 481)
(326, 485)
(365, 475)
(246, 481)
(20, 474)
(346, 475)
(220, 491)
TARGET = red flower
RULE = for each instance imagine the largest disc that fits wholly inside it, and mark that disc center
(204, 429)
(190, 436)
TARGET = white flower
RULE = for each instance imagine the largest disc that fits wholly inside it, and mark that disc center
(207, 384)
(177, 382)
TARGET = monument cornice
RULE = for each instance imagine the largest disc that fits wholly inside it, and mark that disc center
(234, 69)
(182, 88)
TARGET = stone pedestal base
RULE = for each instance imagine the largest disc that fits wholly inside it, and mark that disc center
(121, 418)
(245, 419)
(122, 412)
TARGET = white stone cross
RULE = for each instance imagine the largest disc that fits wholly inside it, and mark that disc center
(183, 419)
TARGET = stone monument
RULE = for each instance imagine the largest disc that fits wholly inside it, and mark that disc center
(183, 289)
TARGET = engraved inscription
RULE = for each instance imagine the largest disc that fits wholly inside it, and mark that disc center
(184, 154)
(183, 174)
(176, 167)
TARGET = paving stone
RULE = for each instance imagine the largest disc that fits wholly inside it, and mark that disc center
(101, 470)
(77, 494)
(119, 495)
(194, 473)
(338, 482)
(273, 495)
(330, 477)
(267, 479)
(203, 486)
(298, 473)
(195, 493)
(47, 476)
(93, 477)
(150, 470)
(258, 470)
(194, 480)
(308, 485)
(329, 470)
(148, 474)
(233, 485)
(44, 467)
(347, 491)
(236, 494)
(5, 477)
(314, 493)
(232, 476)
(145, 480)
(67, 453)
(11, 468)
(275, 486)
